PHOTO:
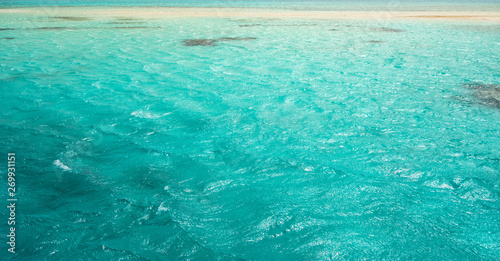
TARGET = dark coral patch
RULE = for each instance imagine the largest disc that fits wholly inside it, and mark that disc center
(487, 94)
(389, 30)
(6, 29)
(72, 18)
(375, 41)
(199, 42)
(52, 28)
(236, 38)
(126, 22)
(9, 38)
(213, 42)
(250, 25)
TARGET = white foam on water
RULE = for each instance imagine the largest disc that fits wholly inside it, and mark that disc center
(147, 115)
(61, 165)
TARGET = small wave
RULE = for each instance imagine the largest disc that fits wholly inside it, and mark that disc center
(147, 115)
(439, 184)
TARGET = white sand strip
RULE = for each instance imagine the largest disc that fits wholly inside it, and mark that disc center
(176, 12)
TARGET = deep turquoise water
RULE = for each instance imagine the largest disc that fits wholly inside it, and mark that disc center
(302, 140)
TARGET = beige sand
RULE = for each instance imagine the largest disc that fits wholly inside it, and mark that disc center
(176, 12)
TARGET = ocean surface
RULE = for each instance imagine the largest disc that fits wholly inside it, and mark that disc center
(249, 138)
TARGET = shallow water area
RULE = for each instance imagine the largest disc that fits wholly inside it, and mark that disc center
(217, 136)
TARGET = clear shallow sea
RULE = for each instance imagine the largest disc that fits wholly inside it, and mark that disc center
(302, 140)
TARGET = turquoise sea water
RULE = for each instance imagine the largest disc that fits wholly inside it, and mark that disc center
(251, 139)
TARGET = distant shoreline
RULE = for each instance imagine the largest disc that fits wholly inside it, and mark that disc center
(250, 12)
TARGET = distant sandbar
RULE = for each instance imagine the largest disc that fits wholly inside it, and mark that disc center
(212, 12)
